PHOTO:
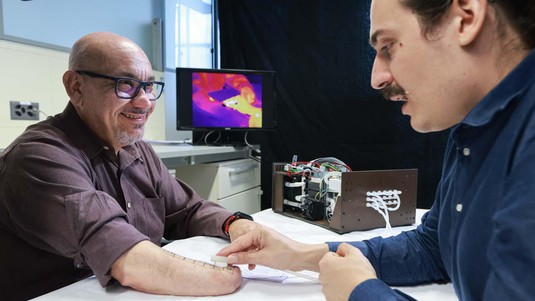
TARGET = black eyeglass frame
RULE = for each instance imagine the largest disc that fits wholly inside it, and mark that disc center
(117, 79)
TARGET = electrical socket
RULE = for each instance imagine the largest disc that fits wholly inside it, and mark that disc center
(24, 110)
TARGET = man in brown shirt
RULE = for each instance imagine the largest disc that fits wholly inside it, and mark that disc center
(82, 194)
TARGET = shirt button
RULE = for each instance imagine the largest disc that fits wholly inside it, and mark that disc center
(106, 148)
(466, 151)
(129, 205)
(459, 207)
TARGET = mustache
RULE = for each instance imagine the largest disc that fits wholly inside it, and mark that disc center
(392, 90)
(138, 111)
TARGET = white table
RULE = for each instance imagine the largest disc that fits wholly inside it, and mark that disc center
(292, 288)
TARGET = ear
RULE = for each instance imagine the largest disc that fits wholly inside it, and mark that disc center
(469, 17)
(71, 82)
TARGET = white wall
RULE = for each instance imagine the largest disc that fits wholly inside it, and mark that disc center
(33, 74)
(61, 22)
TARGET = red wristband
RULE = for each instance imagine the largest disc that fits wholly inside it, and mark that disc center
(227, 223)
(231, 219)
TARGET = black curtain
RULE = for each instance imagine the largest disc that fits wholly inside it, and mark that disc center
(325, 104)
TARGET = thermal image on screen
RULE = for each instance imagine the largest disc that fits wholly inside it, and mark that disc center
(227, 100)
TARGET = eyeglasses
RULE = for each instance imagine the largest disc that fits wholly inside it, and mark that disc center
(128, 88)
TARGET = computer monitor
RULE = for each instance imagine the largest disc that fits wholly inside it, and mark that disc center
(225, 99)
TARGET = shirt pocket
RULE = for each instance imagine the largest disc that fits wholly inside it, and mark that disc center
(150, 218)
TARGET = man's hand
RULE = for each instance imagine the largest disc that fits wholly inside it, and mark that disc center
(342, 271)
(267, 247)
(240, 227)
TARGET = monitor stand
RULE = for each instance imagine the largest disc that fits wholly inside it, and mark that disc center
(219, 138)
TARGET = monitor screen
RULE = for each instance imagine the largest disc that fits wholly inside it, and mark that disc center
(219, 99)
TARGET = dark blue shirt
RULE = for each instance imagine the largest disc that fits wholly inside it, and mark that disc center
(479, 232)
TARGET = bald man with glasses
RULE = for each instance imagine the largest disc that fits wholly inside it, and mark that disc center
(82, 194)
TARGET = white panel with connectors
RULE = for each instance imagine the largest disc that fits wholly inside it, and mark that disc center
(24, 110)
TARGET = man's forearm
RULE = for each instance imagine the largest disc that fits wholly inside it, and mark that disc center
(148, 268)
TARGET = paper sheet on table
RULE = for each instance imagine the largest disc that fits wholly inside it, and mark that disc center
(202, 248)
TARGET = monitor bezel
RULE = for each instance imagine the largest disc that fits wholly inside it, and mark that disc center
(184, 101)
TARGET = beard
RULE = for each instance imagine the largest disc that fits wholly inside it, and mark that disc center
(125, 138)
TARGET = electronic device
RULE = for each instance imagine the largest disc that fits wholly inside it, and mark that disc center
(326, 192)
(312, 187)
(225, 99)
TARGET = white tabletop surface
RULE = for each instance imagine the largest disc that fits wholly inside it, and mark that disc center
(263, 284)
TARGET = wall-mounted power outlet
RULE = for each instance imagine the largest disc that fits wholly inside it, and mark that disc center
(24, 110)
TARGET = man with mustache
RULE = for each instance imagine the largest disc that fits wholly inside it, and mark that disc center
(467, 65)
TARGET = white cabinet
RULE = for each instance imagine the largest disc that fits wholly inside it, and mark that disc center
(233, 184)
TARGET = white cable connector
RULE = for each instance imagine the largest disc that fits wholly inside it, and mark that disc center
(383, 202)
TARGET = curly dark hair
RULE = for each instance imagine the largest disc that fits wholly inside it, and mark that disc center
(519, 13)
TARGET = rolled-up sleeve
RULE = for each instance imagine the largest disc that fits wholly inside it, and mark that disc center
(98, 226)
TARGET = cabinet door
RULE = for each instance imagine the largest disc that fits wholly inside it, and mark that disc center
(221, 181)
(246, 201)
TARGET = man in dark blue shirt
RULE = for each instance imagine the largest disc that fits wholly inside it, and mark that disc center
(467, 65)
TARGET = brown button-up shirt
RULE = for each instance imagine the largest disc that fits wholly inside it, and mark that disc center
(70, 207)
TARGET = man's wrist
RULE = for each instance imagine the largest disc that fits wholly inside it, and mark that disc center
(310, 255)
(236, 216)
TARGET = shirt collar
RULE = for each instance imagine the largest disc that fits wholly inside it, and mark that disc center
(86, 140)
(519, 79)
(80, 133)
